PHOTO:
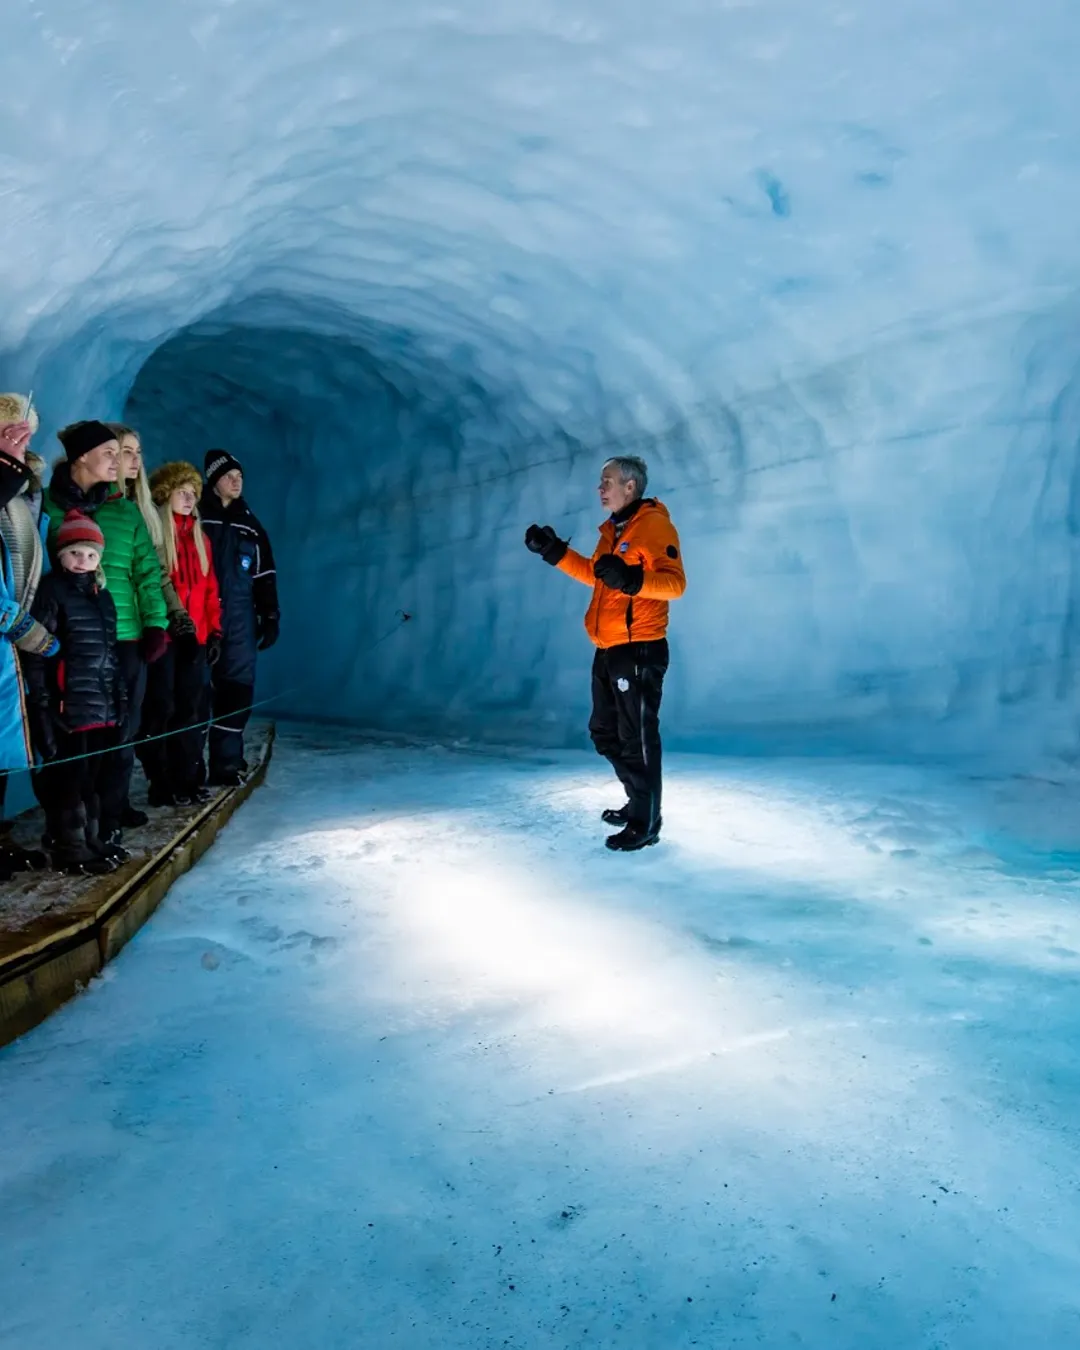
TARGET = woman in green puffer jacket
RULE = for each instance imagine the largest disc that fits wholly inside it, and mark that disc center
(136, 488)
(87, 481)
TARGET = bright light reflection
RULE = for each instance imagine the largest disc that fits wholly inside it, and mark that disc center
(461, 926)
(750, 831)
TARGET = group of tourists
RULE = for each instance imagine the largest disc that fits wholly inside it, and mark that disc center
(132, 608)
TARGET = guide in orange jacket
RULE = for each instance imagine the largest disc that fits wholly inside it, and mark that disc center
(635, 570)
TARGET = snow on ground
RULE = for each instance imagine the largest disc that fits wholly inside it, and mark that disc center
(409, 1059)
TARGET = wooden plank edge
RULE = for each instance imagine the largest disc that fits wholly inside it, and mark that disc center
(135, 904)
(27, 999)
(57, 970)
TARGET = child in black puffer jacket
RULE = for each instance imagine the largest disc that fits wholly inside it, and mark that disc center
(77, 703)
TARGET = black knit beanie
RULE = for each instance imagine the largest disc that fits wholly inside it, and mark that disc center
(218, 462)
(82, 437)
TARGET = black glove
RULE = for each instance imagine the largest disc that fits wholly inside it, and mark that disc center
(542, 539)
(183, 634)
(269, 631)
(186, 643)
(213, 649)
(42, 731)
(181, 623)
(617, 573)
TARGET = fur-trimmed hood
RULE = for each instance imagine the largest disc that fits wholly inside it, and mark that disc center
(165, 480)
(36, 465)
(13, 408)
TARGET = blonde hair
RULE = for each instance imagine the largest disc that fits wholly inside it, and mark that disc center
(13, 408)
(163, 483)
(137, 489)
(168, 527)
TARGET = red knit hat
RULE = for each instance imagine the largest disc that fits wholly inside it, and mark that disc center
(79, 529)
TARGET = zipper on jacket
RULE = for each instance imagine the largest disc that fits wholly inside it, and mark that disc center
(102, 669)
(614, 543)
(630, 602)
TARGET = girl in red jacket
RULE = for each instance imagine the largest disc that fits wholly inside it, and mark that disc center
(177, 696)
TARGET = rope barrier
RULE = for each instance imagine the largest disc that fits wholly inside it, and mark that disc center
(402, 620)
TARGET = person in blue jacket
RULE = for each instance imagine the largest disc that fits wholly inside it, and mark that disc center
(22, 558)
(251, 619)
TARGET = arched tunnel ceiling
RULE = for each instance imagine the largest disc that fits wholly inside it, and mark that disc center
(817, 259)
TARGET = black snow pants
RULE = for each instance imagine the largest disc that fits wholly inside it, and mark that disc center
(174, 717)
(627, 683)
(83, 800)
(232, 708)
(133, 672)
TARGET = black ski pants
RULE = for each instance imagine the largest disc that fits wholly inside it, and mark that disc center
(133, 673)
(174, 716)
(232, 707)
(627, 683)
(83, 799)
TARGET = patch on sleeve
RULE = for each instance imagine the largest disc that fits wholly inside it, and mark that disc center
(672, 551)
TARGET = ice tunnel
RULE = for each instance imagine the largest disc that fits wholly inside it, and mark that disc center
(422, 267)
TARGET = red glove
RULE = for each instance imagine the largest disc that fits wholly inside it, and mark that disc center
(153, 644)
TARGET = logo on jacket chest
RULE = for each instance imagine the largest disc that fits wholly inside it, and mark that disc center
(245, 563)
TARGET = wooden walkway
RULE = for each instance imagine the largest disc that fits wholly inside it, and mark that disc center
(46, 961)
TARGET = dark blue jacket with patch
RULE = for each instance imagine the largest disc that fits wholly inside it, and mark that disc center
(247, 579)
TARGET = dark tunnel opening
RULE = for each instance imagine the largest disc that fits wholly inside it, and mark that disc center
(392, 482)
(396, 472)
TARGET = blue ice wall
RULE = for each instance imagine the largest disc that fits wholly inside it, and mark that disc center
(423, 267)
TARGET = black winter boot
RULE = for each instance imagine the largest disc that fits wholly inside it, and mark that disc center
(633, 837)
(619, 817)
(114, 849)
(131, 818)
(71, 853)
(93, 839)
(17, 859)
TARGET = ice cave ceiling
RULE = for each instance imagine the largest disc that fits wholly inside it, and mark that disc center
(422, 265)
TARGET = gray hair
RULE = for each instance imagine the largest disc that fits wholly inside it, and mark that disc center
(631, 466)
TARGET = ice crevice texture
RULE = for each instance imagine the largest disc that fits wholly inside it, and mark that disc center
(420, 266)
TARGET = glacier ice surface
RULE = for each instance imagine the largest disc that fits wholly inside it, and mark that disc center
(408, 1059)
(423, 265)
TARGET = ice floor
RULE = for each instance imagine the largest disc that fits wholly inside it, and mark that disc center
(410, 1060)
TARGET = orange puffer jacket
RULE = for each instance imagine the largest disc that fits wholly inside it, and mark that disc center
(649, 538)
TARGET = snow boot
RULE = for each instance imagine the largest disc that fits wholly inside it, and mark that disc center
(133, 819)
(159, 796)
(190, 794)
(95, 843)
(17, 859)
(227, 778)
(114, 849)
(93, 867)
(71, 854)
(633, 837)
(619, 817)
